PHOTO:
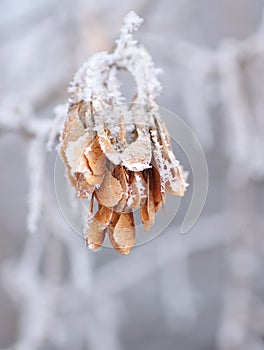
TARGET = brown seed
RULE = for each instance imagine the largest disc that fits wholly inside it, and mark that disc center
(155, 188)
(137, 193)
(110, 191)
(179, 181)
(137, 156)
(95, 157)
(147, 210)
(93, 179)
(84, 190)
(108, 149)
(122, 233)
(73, 129)
(121, 175)
(95, 233)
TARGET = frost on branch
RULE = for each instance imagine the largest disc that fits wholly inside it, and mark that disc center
(60, 116)
(118, 155)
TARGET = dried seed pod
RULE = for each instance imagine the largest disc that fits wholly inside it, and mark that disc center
(137, 156)
(121, 175)
(84, 190)
(82, 165)
(138, 190)
(73, 129)
(110, 192)
(155, 188)
(122, 232)
(93, 179)
(95, 232)
(95, 157)
(147, 211)
(109, 150)
(177, 186)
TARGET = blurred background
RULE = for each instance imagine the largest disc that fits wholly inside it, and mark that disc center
(203, 290)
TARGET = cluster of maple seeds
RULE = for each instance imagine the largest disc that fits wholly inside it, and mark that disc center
(118, 155)
(122, 177)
